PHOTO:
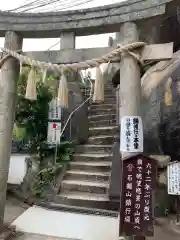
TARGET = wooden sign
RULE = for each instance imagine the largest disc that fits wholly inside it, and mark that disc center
(136, 210)
(173, 176)
(131, 134)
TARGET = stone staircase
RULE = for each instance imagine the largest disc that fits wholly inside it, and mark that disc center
(86, 182)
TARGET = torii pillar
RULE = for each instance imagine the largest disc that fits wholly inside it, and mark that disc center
(9, 74)
(130, 81)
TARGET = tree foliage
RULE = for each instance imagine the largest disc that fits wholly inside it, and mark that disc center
(31, 123)
(32, 116)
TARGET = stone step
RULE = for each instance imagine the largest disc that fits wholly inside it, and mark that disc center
(90, 200)
(101, 117)
(86, 157)
(107, 91)
(102, 139)
(85, 196)
(86, 175)
(102, 123)
(96, 131)
(89, 203)
(85, 186)
(101, 166)
(107, 100)
(102, 105)
(93, 149)
(93, 112)
(82, 206)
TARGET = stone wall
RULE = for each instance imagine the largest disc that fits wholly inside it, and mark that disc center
(78, 126)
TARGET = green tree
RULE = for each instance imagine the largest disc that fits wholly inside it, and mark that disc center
(32, 116)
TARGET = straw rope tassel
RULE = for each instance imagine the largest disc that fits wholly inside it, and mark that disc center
(98, 86)
(63, 92)
(31, 85)
(44, 74)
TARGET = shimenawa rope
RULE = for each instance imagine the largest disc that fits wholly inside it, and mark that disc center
(62, 68)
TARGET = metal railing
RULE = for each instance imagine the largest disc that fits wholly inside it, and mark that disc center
(71, 115)
(76, 109)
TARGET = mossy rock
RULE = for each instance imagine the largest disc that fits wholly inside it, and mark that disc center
(162, 160)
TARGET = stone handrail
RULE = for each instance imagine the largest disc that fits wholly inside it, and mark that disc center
(81, 22)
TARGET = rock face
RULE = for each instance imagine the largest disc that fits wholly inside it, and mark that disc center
(161, 108)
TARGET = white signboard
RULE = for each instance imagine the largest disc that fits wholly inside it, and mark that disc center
(17, 168)
(54, 110)
(131, 139)
(173, 176)
(54, 131)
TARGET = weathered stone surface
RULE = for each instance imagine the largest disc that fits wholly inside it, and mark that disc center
(162, 160)
(83, 21)
(76, 128)
(150, 52)
(8, 86)
(161, 202)
(84, 186)
(162, 180)
(93, 149)
(161, 121)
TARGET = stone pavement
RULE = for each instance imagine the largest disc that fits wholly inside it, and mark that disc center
(164, 233)
(14, 209)
(29, 236)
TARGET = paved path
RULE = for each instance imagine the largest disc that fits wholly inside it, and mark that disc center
(14, 209)
(162, 233)
(159, 235)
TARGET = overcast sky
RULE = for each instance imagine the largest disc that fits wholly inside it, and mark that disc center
(44, 44)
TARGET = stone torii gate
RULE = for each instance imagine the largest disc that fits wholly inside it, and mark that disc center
(132, 20)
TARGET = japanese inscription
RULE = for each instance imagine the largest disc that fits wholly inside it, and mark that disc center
(131, 134)
(139, 176)
(54, 110)
(173, 175)
(54, 123)
(54, 133)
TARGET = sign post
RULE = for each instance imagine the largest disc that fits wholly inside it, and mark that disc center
(137, 211)
(54, 124)
(173, 176)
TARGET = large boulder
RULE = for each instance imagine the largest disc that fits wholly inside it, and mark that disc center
(161, 108)
(160, 105)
